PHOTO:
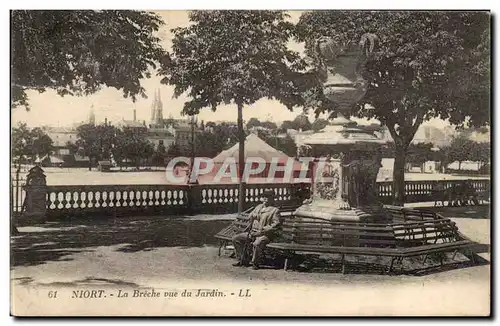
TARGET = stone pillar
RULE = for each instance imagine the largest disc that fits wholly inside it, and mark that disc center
(35, 202)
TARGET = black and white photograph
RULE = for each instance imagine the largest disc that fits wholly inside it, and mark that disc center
(250, 163)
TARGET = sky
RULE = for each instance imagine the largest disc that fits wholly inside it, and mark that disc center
(49, 109)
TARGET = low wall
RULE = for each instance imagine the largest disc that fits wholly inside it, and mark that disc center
(118, 200)
(160, 199)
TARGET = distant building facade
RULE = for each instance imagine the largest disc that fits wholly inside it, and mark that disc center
(160, 136)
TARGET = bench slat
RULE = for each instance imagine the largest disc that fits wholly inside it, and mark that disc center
(333, 226)
(339, 233)
(335, 249)
(392, 252)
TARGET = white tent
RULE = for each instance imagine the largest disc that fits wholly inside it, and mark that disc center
(254, 147)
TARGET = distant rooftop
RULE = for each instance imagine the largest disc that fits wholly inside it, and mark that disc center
(132, 124)
(60, 130)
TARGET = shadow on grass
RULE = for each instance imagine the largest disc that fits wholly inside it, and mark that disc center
(92, 281)
(56, 241)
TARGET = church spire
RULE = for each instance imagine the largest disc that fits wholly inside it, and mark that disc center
(153, 110)
(92, 115)
(159, 109)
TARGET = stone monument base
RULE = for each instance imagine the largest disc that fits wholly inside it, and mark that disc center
(334, 211)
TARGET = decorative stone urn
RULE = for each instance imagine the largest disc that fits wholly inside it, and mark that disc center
(341, 66)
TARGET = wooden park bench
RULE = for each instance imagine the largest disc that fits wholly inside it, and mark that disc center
(397, 240)
(459, 195)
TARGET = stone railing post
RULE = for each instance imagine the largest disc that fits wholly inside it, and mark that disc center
(35, 202)
(194, 198)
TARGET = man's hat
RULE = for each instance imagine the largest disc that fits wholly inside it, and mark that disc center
(268, 194)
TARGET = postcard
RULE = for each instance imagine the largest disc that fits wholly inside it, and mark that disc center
(250, 163)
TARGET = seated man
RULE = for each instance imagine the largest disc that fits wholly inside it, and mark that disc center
(262, 228)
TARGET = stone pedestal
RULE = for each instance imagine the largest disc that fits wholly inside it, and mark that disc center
(346, 191)
(35, 202)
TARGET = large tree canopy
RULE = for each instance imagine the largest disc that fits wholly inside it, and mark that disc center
(427, 64)
(78, 51)
(236, 57)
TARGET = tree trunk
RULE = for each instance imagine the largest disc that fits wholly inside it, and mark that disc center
(241, 160)
(459, 165)
(398, 177)
(90, 163)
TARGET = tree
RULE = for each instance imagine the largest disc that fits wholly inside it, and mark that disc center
(135, 147)
(159, 154)
(253, 122)
(118, 147)
(301, 122)
(21, 139)
(420, 153)
(72, 147)
(286, 145)
(41, 144)
(234, 57)
(106, 139)
(88, 142)
(319, 124)
(76, 52)
(461, 149)
(482, 153)
(218, 137)
(287, 124)
(269, 125)
(30, 143)
(425, 65)
(174, 150)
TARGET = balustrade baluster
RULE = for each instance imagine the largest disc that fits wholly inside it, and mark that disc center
(97, 199)
(137, 201)
(151, 198)
(112, 198)
(169, 197)
(104, 199)
(58, 200)
(203, 196)
(156, 198)
(74, 196)
(175, 195)
(85, 199)
(52, 199)
(209, 196)
(163, 195)
(182, 197)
